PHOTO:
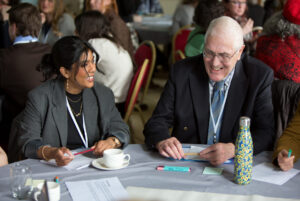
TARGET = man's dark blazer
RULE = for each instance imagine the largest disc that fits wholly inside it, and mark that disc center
(184, 104)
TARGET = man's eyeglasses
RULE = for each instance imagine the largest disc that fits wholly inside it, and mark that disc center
(238, 3)
(223, 57)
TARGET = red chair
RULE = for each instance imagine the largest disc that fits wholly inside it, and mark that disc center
(180, 39)
(146, 50)
(134, 90)
(179, 55)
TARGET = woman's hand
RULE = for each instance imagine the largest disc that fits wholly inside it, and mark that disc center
(247, 28)
(43, 17)
(102, 145)
(285, 163)
(62, 155)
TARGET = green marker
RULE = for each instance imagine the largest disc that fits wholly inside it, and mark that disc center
(290, 153)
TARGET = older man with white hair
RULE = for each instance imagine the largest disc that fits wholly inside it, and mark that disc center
(207, 94)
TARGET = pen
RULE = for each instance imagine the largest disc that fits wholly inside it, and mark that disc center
(290, 153)
(82, 152)
(173, 168)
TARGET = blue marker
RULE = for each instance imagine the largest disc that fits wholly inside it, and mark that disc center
(290, 153)
(173, 168)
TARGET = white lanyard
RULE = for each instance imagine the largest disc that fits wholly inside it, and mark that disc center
(215, 126)
(85, 138)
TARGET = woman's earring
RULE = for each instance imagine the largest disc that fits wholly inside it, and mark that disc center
(67, 84)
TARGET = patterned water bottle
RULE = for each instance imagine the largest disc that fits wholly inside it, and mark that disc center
(243, 153)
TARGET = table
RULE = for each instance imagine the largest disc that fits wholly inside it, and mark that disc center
(141, 172)
(156, 29)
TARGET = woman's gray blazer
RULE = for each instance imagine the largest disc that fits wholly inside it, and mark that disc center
(45, 118)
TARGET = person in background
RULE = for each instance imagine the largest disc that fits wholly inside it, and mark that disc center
(147, 7)
(183, 15)
(3, 157)
(206, 95)
(115, 64)
(109, 8)
(56, 23)
(279, 46)
(205, 12)
(70, 111)
(18, 74)
(237, 9)
(5, 5)
(289, 140)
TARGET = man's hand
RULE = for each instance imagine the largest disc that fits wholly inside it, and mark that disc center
(170, 148)
(218, 153)
(285, 163)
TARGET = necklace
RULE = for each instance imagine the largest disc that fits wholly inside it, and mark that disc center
(74, 101)
(79, 113)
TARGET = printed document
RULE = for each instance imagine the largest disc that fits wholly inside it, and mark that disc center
(107, 189)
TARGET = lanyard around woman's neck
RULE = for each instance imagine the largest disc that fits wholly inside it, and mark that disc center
(84, 138)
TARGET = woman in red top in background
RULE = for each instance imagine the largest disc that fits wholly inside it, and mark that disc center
(279, 47)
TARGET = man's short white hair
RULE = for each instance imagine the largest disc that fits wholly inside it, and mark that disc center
(228, 28)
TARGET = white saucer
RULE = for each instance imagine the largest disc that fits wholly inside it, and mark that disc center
(98, 163)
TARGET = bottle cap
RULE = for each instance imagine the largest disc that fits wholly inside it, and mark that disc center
(244, 121)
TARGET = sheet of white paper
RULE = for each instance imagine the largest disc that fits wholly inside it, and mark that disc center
(136, 193)
(80, 161)
(266, 172)
(107, 189)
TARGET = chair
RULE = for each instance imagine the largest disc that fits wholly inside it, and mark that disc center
(146, 50)
(180, 39)
(134, 90)
(179, 55)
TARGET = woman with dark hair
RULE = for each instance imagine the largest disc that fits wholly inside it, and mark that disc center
(183, 15)
(119, 29)
(205, 12)
(70, 111)
(56, 23)
(115, 63)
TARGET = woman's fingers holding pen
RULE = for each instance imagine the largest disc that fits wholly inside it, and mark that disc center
(285, 163)
(63, 156)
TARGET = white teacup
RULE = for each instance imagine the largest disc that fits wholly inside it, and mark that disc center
(53, 190)
(115, 158)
